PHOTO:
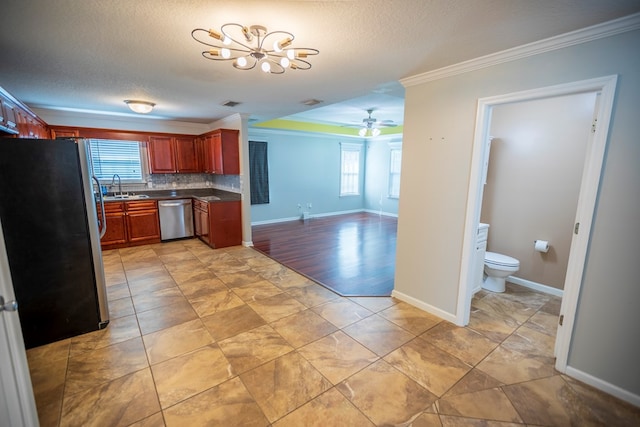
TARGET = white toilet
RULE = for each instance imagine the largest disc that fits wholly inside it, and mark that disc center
(498, 267)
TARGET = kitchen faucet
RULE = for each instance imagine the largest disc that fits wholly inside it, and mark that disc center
(119, 182)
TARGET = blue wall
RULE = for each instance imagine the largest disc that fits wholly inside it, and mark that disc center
(305, 168)
(376, 187)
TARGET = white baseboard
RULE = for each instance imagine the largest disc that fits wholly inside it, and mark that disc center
(424, 306)
(319, 215)
(609, 388)
(371, 211)
(536, 286)
(247, 244)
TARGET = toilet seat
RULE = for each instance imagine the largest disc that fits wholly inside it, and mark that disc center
(500, 260)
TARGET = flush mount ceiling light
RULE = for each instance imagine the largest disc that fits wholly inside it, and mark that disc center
(141, 107)
(248, 47)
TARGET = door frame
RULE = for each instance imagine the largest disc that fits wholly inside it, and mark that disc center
(606, 88)
(16, 392)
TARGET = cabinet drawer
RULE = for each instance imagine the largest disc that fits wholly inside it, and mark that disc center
(113, 207)
(141, 205)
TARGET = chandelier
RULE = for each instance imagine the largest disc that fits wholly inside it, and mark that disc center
(248, 47)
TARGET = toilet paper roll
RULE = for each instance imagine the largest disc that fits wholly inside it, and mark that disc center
(541, 246)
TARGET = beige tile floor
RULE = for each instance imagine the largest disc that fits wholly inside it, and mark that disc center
(229, 337)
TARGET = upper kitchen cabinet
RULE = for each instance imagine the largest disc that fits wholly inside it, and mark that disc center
(16, 118)
(169, 154)
(222, 152)
(8, 117)
(64, 133)
(187, 155)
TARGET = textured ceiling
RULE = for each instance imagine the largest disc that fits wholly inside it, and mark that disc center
(92, 54)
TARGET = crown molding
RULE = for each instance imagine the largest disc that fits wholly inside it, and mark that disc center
(584, 35)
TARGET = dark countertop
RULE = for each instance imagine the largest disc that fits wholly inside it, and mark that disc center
(205, 194)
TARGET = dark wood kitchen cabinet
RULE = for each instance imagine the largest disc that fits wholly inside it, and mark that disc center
(116, 234)
(201, 219)
(169, 154)
(143, 222)
(221, 152)
(131, 223)
(8, 116)
(218, 224)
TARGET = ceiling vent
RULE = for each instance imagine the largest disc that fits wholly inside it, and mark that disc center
(310, 102)
(230, 103)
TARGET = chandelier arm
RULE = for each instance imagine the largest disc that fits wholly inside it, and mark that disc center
(297, 61)
(255, 62)
(264, 38)
(250, 48)
(279, 67)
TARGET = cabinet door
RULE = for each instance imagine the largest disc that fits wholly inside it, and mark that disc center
(186, 155)
(216, 144)
(59, 133)
(225, 221)
(116, 230)
(116, 234)
(161, 154)
(143, 226)
(8, 113)
(229, 152)
(208, 154)
(204, 221)
(197, 220)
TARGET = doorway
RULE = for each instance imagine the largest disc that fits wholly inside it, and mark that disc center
(605, 88)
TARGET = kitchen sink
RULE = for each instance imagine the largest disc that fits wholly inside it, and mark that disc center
(126, 197)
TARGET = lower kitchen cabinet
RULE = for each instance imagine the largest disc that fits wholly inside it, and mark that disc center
(131, 223)
(116, 234)
(218, 224)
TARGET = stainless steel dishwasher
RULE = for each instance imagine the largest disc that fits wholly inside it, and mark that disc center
(176, 219)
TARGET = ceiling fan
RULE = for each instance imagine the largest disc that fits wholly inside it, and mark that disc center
(371, 125)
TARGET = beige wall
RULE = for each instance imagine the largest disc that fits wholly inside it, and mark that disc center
(438, 138)
(534, 176)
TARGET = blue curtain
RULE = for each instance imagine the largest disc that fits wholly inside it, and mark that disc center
(258, 172)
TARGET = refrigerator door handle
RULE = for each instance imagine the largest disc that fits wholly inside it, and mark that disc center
(102, 219)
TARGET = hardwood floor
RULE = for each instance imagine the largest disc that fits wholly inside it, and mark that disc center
(352, 254)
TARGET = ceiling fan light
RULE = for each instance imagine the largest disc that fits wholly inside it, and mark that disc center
(362, 132)
(266, 67)
(226, 53)
(284, 61)
(140, 107)
(291, 54)
(241, 62)
(375, 132)
(226, 41)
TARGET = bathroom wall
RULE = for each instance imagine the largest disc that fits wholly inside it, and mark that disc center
(535, 170)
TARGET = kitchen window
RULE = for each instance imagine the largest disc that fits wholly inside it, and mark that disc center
(350, 169)
(110, 157)
(394, 170)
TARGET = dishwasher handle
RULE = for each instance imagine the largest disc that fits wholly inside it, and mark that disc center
(174, 203)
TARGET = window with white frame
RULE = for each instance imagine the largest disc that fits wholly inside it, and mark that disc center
(350, 169)
(394, 170)
(110, 157)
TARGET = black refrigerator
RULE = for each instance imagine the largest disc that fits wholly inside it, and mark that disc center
(52, 236)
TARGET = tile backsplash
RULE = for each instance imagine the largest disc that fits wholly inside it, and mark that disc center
(168, 181)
